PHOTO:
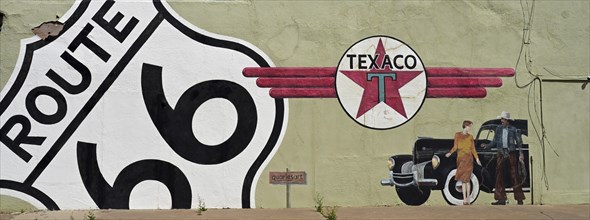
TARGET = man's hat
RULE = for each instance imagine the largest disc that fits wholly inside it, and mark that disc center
(505, 115)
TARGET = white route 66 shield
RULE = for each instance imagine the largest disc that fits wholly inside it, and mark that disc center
(133, 107)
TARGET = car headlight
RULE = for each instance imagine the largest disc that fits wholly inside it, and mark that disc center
(435, 161)
(390, 163)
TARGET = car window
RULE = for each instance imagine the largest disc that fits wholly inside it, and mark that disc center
(486, 133)
(489, 135)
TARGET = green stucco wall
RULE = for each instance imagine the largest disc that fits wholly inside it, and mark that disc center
(344, 161)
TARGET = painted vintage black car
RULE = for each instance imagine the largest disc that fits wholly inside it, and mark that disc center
(415, 176)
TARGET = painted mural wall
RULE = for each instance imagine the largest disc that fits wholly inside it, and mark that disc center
(141, 104)
(101, 117)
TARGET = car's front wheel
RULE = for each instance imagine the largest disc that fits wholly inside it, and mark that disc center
(412, 195)
(453, 193)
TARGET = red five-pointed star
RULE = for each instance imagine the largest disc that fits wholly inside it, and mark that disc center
(371, 84)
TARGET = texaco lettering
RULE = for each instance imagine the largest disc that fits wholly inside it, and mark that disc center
(381, 82)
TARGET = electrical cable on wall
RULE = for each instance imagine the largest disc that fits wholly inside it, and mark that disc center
(525, 46)
(527, 14)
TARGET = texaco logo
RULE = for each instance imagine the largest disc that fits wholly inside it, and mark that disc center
(381, 82)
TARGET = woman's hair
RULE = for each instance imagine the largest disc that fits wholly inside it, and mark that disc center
(467, 123)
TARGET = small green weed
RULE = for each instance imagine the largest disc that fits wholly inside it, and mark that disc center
(201, 207)
(319, 202)
(90, 216)
(328, 212)
(331, 213)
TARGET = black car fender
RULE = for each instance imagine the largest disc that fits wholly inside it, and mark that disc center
(399, 160)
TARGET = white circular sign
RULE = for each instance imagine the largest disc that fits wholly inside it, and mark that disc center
(381, 82)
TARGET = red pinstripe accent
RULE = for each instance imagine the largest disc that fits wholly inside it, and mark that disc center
(331, 93)
(318, 82)
(331, 71)
(456, 93)
(309, 82)
(303, 93)
(289, 71)
(469, 72)
(448, 82)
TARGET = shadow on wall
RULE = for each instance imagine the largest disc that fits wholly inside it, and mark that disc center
(1, 20)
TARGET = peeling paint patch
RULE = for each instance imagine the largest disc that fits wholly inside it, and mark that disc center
(48, 30)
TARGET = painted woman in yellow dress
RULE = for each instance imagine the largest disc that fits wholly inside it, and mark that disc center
(465, 147)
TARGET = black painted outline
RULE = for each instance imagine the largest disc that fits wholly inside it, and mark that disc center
(13, 91)
(30, 48)
(117, 196)
(336, 84)
(104, 86)
(173, 123)
(163, 14)
(31, 191)
(279, 103)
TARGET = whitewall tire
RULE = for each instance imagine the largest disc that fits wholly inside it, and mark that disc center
(452, 192)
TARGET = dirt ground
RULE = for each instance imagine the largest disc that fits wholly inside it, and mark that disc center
(342, 213)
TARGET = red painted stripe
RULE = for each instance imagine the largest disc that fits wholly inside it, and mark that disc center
(446, 82)
(318, 82)
(289, 71)
(328, 82)
(331, 93)
(456, 93)
(306, 82)
(303, 93)
(331, 71)
(469, 72)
